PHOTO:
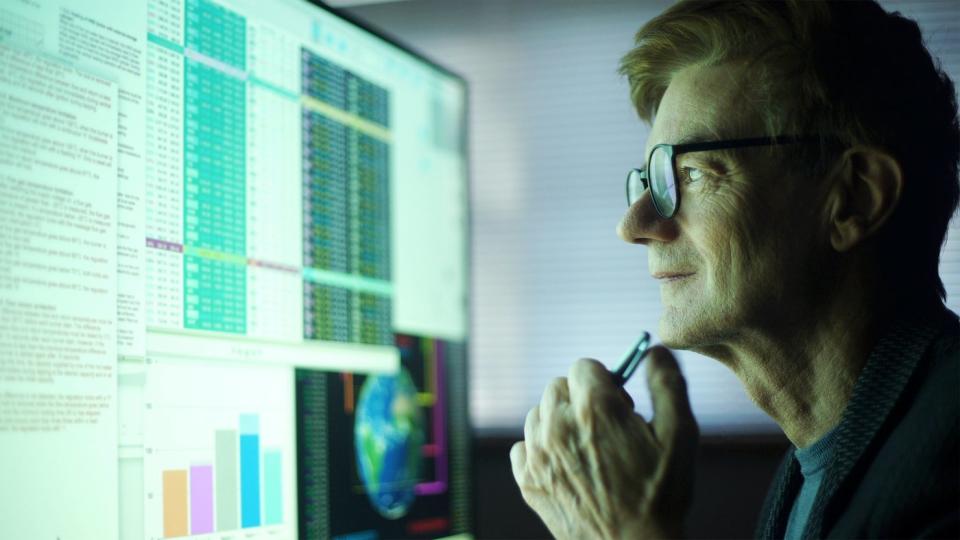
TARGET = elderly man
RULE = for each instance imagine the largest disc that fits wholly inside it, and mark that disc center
(799, 178)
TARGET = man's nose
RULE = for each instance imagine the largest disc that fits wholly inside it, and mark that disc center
(642, 224)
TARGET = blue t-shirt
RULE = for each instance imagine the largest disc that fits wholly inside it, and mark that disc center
(813, 466)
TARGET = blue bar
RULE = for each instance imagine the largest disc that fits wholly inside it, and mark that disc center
(272, 495)
(249, 470)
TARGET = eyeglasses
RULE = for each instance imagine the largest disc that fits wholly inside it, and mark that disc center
(660, 174)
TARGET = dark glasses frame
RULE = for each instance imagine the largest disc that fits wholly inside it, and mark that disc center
(673, 150)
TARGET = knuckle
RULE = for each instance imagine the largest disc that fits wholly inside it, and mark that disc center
(530, 424)
(600, 398)
(585, 414)
(537, 458)
(557, 387)
(581, 368)
(556, 432)
(670, 380)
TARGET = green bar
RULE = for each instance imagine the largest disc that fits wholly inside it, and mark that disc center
(226, 477)
(164, 42)
(279, 90)
(272, 488)
(215, 255)
(349, 281)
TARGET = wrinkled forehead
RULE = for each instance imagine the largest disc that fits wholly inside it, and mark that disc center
(703, 103)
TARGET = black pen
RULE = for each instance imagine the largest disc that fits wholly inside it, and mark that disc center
(632, 359)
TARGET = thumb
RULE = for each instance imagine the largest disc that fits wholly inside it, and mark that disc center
(673, 421)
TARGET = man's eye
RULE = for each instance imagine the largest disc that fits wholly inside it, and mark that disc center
(692, 174)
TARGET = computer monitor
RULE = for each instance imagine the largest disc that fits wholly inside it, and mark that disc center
(235, 253)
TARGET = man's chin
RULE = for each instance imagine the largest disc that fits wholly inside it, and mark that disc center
(704, 335)
(678, 330)
(673, 333)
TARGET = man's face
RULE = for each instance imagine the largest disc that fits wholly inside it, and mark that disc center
(738, 255)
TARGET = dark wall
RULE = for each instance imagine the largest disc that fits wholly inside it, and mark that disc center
(732, 477)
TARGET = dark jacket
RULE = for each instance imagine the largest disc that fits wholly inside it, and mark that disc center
(896, 467)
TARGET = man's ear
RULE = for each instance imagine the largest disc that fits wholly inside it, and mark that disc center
(866, 188)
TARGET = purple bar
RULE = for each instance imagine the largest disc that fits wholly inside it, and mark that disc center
(164, 245)
(430, 488)
(201, 499)
(440, 419)
(439, 426)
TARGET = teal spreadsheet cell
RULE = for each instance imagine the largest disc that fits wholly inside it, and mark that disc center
(214, 217)
(217, 32)
(215, 295)
(214, 160)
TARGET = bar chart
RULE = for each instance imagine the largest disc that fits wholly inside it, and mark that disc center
(218, 451)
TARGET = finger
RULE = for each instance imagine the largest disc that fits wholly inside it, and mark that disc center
(556, 396)
(673, 422)
(627, 399)
(518, 463)
(531, 492)
(531, 427)
(593, 393)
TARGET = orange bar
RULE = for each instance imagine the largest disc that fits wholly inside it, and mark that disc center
(348, 393)
(174, 503)
(429, 350)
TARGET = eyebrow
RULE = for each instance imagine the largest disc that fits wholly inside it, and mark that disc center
(697, 138)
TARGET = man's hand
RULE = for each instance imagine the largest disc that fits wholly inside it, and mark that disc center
(591, 467)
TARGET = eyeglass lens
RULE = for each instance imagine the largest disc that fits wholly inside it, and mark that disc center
(663, 182)
(635, 186)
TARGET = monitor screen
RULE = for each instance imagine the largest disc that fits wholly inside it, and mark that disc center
(233, 275)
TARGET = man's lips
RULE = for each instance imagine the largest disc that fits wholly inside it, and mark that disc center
(671, 276)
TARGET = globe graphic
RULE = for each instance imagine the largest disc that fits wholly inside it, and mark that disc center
(388, 435)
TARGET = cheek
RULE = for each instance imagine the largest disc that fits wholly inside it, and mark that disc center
(729, 241)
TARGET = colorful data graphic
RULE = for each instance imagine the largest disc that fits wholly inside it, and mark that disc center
(218, 450)
(197, 517)
(223, 254)
(204, 195)
(376, 457)
(388, 436)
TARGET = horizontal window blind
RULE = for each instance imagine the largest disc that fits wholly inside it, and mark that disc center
(552, 133)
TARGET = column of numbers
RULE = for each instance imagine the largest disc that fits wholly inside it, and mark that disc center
(164, 171)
